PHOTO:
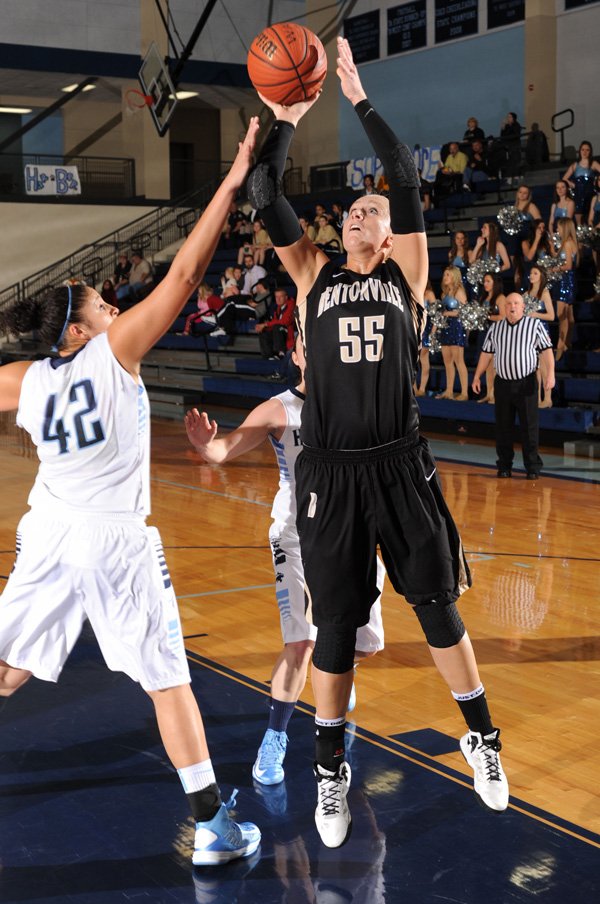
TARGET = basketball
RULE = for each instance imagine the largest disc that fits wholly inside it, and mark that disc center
(287, 63)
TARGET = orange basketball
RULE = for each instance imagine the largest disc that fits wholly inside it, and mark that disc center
(287, 63)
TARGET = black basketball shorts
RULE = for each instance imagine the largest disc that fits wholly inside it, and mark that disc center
(349, 502)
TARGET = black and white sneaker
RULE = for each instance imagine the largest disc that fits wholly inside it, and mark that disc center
(332, 815)
(482, 753)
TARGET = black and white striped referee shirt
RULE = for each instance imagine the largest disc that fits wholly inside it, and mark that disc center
(515, 346)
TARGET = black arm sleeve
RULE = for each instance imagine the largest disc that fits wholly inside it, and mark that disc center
(399, 166)
(265, 190)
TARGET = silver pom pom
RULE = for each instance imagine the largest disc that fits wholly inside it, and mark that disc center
(511, 219)
(434, 344)
(556, 240)
(473, 316)
(585, 234)
(550, 267)
(597, 285)
(479, 268)
(532, 304)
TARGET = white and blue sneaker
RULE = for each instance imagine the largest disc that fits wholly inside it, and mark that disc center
(221, 839)
(268, 768)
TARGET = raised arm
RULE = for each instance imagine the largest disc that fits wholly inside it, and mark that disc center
(266, 419)
(11, 378)
(409, 248)
(136, 331)
(300, 257)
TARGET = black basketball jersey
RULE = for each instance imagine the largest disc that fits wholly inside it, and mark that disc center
(361, 333)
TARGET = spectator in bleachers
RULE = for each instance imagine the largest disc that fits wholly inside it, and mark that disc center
(339, 214)
(204, 319)
(320, 211)
(510, 133)
(491, 297)
(276, 335)
(425, 191)
(567, 256)
(489, 247)
(563, 205)
(369, 185)
(252, 273)
(234, 229)
(308, 228)
(257, 245)
(453, 337)
(536, 148)
(236, 308)
(545, 312)
(581, 177)
(458, 256)
(327, 239)
(141, 279)
(478, 168)
(122, 269)
(473, 132)
(424, 354)
(449, 177)
(108, 293)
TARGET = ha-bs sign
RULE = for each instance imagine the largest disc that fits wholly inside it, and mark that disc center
(51, 180)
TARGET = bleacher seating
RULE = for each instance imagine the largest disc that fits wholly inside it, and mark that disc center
(236, 374)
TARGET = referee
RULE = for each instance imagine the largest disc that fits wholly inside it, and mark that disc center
(514, 344)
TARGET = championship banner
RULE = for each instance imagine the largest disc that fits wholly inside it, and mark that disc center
(427, 160)
(51, 180)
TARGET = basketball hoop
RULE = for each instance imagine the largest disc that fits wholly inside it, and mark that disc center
(136, 100)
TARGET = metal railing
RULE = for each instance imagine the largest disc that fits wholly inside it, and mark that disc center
(96, 261)
(101, 178)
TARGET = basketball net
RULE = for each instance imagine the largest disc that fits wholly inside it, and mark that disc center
(136, 100)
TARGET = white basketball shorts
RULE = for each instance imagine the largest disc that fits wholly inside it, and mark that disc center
(289, 592)
(109, 569)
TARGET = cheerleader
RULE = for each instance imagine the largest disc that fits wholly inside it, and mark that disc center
(424, 353)
(492, 299)
(453, 337)
(544, 312)
(567, 256)
(580, 177)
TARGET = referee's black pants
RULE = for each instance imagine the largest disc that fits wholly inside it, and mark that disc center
(517, 397)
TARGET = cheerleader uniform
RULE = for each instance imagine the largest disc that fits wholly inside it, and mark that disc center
(454, 333)
(583, 177)
(566, 288)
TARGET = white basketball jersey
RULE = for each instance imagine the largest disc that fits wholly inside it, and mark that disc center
(286, 451)
(90, 422)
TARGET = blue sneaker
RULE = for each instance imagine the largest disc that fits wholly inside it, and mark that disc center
(221, 839)
(268, 768)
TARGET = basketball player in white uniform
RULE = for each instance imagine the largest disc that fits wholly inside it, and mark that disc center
(278, 420)
(83, 549)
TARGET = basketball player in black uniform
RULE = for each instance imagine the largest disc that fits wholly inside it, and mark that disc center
(365, 476)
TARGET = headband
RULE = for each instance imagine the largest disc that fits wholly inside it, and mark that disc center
(66, 323)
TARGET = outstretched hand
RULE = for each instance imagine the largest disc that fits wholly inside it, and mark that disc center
(243, 161)
(350, 82)
(200, 430)
(292, 114)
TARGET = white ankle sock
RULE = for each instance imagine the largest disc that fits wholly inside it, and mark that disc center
(197, 777)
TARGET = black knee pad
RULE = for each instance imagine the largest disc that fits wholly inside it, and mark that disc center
(442, 625)
(334, 650)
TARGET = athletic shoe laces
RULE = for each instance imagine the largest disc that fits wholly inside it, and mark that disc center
(271, 751)
(330, 794)
(489, 750)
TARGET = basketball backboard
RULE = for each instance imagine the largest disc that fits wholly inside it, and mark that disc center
(156, 83)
